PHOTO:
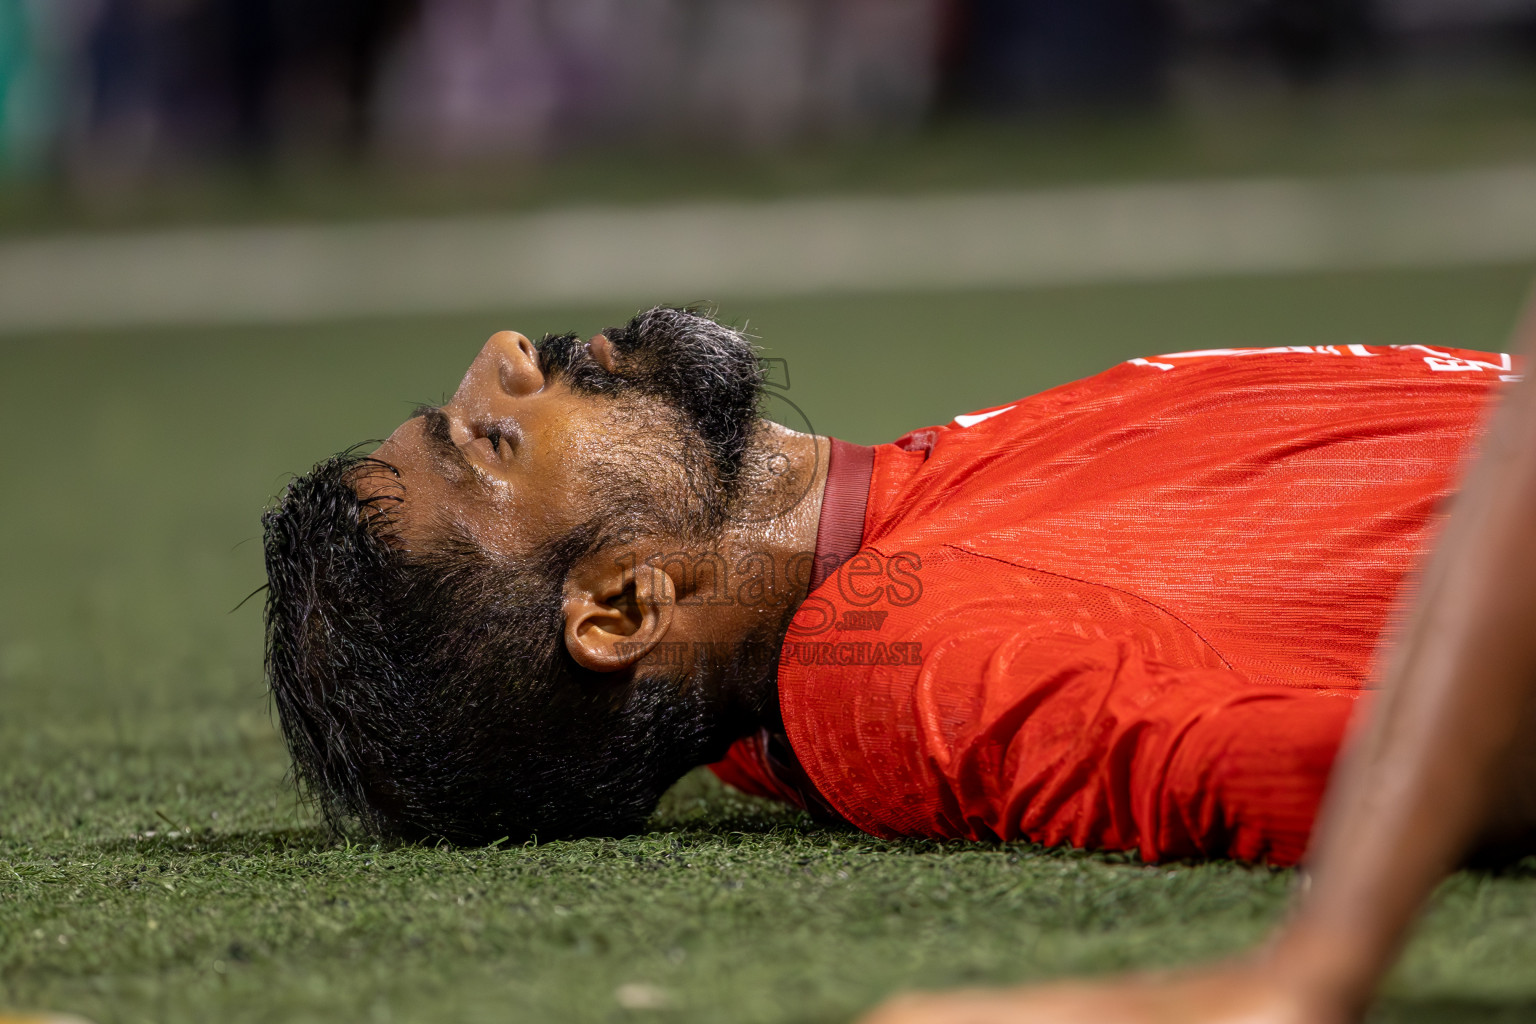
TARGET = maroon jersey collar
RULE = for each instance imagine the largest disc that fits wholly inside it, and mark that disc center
(840, 530)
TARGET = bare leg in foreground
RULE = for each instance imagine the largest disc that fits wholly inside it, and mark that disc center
(1446, 765)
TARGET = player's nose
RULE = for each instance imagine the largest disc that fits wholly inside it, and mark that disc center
(507, 365)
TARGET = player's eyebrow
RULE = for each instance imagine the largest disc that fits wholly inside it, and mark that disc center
(438, 437)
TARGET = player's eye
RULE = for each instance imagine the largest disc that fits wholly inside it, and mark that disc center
(495, 437)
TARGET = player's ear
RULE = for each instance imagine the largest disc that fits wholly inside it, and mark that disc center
(616, 611)
(602, 351)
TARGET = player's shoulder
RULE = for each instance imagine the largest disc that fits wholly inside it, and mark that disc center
(1200, 384)
(1175, 376)
(1324, 362)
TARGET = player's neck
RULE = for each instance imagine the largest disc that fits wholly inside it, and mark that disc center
(779, 509)
(764, 556)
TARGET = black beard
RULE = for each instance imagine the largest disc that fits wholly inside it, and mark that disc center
(698, 383)
(707, 372)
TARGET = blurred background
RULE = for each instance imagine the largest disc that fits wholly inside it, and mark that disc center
(239, 235)
(98, 97)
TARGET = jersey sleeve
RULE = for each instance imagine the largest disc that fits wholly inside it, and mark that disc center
(1089, 741)
(748, 767)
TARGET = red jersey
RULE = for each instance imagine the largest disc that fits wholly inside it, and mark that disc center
(1134, 612)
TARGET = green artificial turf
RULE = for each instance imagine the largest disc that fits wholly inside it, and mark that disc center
(155, 865)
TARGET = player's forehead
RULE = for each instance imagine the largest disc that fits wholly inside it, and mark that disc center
(434, 494)
(415, 454)
(413, 475)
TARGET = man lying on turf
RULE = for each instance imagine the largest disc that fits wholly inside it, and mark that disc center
(1132, 612)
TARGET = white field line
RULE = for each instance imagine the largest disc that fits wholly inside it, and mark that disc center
(700, 251)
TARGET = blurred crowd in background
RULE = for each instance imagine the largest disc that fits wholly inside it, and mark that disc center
(102, 88)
